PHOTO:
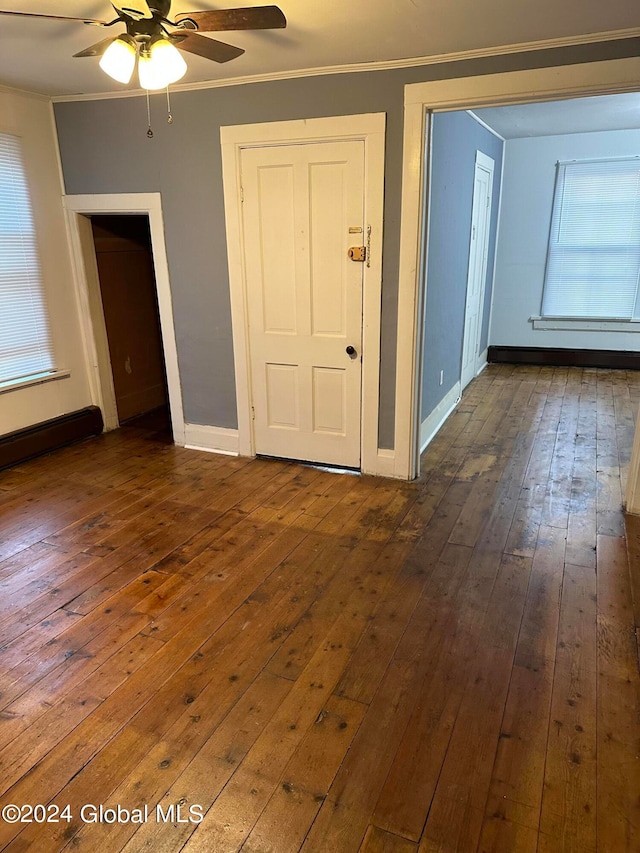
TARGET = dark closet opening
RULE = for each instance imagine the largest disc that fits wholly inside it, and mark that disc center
(130, 303)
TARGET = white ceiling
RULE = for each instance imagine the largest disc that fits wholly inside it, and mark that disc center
(580, 115)
(37, 54)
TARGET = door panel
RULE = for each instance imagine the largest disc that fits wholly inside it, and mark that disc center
(328, 266)
(304, 298)
(478, 255)
(329, 400)
(283, 396)
(277, 227)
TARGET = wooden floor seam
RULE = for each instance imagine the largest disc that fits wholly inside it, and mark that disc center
(266, 657)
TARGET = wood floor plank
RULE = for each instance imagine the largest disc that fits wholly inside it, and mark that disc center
(203, 778)
(515, 793)
(345, 814)
(213, 765)
(569, 799)
(463, 785)
(27, 689)
(379, 841)
(303, 785)
(404, 800)
(253, 784)
(391, 618)
(539, 631)
(512, 809)
(192, 678)
(192, 688)
(29, 747)
(465, 778)
(332, 663)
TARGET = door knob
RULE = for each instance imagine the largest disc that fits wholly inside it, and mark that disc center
(351, 352)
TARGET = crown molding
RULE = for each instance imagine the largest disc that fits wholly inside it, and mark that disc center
(485, 125)
(382, 65)
(24, 93)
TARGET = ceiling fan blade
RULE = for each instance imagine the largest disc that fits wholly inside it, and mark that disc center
(255, 18)
(218, 51)
(96, 49)
(55, 17)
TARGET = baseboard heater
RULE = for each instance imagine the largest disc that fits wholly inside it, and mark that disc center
(41, 438)
(560, 357)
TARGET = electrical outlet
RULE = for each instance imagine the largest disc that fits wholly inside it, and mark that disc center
(441, 376)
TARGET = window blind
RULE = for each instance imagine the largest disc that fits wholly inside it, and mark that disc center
(25, 340)
(593, 259)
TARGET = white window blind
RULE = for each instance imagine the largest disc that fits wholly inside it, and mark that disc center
(593, 261)
(25, 341)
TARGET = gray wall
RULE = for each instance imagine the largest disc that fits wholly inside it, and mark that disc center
(456, 138)
(104, 149)
(530, 174)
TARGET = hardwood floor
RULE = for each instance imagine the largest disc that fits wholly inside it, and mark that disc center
(331, 663)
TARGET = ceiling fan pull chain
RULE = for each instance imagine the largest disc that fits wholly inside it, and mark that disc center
(169, 116)
(149, 128)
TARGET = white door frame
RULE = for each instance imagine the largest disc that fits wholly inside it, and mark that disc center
(370, 128)
(486, 164)
(78, 208)
(540, 84)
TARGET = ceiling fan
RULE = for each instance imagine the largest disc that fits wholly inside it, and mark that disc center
(152, 37)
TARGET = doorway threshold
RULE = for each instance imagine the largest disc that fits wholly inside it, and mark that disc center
(319, 466)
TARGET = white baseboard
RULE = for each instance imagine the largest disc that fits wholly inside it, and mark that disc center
(438, 416)
(219, 440)
(212, 439)
(482, 361)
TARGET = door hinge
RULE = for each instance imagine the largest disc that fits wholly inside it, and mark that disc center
(253, 413)
(241, 194)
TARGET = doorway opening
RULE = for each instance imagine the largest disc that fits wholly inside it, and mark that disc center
(423, 101)
(126, 278)
(80, 210)
(479, 246)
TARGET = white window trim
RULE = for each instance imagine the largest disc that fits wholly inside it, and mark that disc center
(55, 372)
(28, 381)
(579, 324)
(464, 93)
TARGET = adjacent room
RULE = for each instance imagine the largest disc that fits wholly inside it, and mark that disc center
(531, 210)
(319, 468)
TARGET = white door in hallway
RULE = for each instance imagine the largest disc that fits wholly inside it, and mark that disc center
(303, 208)
(478, 257)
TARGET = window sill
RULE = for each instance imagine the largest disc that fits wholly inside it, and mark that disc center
(15, 384)
(576, 324)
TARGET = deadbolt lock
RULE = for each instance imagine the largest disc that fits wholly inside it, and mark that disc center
(358, 253)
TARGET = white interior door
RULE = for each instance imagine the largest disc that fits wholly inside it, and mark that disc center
(478, 256)
(303, 208)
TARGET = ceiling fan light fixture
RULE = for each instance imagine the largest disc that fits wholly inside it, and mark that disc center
(119, 59)
(160, 65)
